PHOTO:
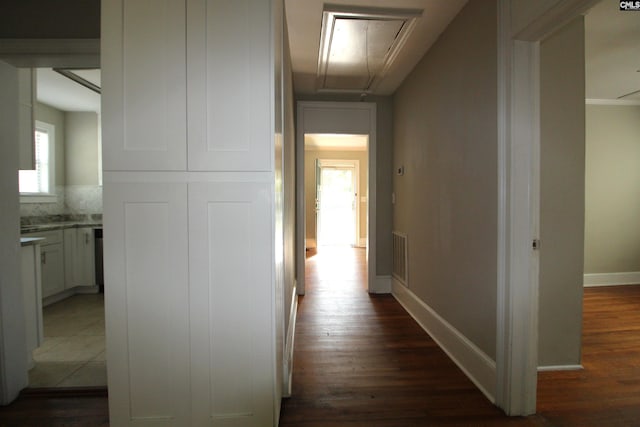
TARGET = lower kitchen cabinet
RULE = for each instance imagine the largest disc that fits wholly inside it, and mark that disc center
(52, 261)
(79, 259)
(67, 259)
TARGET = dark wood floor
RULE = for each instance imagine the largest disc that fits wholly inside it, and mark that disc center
(360, 360)
(607, 391)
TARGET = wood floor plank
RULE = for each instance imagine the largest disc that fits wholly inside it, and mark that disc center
(361, 360)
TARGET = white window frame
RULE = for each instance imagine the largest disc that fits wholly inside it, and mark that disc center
(51, 196)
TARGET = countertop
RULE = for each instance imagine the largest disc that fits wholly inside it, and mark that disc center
(26, 241)
(34, 228)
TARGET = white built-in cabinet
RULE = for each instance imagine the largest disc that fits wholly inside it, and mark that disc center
(188, 143)
(79, 257)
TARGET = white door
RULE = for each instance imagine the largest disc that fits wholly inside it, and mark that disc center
(336, 213)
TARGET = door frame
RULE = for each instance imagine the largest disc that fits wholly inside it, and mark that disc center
(518, 196)
(344, 164)
(336, 117)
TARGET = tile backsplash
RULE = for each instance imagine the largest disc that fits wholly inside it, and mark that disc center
(71, 200)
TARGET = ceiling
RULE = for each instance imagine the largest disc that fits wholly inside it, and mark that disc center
(62, 93)
(612, 53)
(304, 20)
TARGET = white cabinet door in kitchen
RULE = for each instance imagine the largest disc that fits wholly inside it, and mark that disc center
(79, 257)
(144, 85)
(85, 246)
(52, 269)
(145, 258)
(231, 271)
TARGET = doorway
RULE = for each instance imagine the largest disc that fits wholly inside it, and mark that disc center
(336, 203)
(336, 132)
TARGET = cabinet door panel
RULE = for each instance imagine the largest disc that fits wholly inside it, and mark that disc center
(230, 85)
(70, 261)
(52, 269)
(146, 290)
(85, 257)
(231, 274)
(144, 86)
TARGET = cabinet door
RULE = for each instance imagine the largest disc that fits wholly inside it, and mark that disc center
(230, 85)
(146, 290)
(231, 270)
(70, 262)
(52, 269)
(85, 245)
(144, 76)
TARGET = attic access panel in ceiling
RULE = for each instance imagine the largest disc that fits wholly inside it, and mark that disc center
(358, 45)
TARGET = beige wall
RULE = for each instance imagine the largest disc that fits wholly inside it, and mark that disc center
(81, 130)
(445, 129)
(13, 361)
(384, 169)
(562, 163)
(310, 158)
(612, 204)
(55, 117)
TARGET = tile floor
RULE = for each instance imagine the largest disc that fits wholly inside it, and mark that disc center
(73, 352)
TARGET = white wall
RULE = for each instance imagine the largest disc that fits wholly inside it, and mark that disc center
(612, 190)
(13, 353)
(562, 163)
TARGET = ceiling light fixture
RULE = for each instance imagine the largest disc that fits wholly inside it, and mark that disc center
(358, 45)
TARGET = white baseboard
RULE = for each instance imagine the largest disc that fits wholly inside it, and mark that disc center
(381, 285)
(52, 299)
(612, 279)
(87, 289)
(288, 349)
(476, 365)
(560, 368)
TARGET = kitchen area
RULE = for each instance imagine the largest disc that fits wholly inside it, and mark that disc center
(60, 183)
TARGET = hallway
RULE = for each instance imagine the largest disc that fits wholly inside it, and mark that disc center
(361, 360)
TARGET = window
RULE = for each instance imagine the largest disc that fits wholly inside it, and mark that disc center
(40, 182)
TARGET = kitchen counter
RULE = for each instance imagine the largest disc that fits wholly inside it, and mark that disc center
(26, 241)
(34, 228)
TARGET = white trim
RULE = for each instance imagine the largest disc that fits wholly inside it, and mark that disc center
(475, 364)
(616, 102)
(307, 111)
(287, 371)
(517, 296)
(554, 368)
(382, 285)
(612, 279)
(518, 206)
